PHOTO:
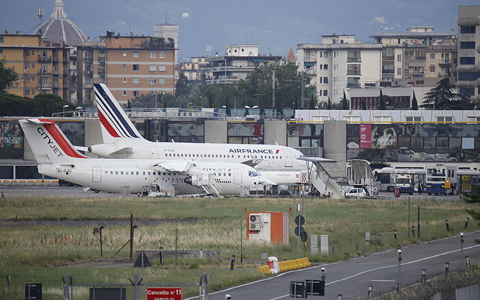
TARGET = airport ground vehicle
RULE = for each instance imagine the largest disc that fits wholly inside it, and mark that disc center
(404, 183)
(356, 193)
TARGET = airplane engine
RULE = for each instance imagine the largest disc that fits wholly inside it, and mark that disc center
(103, 150)
(197, 180)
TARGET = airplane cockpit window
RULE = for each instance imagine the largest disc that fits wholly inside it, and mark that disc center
(253, 174)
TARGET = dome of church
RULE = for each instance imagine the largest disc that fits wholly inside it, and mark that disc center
(60, 29)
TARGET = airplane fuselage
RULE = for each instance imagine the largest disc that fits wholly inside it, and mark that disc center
(130, 176)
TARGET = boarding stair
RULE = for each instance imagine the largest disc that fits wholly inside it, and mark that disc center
(328, 177)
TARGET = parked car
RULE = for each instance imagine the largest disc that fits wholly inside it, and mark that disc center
(356, 193)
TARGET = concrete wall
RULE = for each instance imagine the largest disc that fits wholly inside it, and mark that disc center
(93, 132)
(216, 132)
(275, 132)
(335, 141)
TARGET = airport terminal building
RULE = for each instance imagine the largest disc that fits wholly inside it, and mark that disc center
(406, 137)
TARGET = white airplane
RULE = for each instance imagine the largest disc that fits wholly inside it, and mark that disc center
(280, 164)
(56, 157)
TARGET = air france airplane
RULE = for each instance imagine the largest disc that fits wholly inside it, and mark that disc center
(57, 158)
(121, 139)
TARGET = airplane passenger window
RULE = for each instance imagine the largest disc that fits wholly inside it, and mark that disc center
(116, 172)
(137, 172)
(121, 172)
(154, 173)
(148, 173)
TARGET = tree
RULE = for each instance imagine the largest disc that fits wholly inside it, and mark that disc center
(441, 97)
(288, 85)
(414, 102)
(382, 105)
(473, 198)
(8, 77)
(329, 104)
(344, 101)
(182, 88)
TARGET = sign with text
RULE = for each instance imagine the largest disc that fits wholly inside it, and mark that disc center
(365, 136)
(164, 293)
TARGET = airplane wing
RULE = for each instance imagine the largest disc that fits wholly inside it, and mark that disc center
(252, 162)
(174, 165)
(315, 159)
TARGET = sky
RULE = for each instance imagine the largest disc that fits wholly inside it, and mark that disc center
(274, 25)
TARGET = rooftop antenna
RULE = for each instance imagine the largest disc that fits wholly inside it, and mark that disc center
(40, 15)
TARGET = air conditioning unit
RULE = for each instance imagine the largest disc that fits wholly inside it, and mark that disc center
(255, 226)
(255, 218)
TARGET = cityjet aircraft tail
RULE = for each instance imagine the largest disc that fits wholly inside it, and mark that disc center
(49, 145)
(115, 123)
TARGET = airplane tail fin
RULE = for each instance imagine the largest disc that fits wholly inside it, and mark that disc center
(115, 123)
(48, 143)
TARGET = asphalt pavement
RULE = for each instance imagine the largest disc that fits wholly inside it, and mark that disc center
(382, 271)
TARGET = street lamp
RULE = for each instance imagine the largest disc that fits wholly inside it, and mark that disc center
(63, 109)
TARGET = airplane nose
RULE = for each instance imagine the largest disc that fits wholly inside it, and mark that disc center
(264, 180)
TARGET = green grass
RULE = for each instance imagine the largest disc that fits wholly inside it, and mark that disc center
(42, 254)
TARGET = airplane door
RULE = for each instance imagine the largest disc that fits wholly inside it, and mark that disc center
(96, 174)
(288, 159)
(154, 152)
(237, 176)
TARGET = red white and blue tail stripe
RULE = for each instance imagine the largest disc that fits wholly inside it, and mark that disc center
(112, 117)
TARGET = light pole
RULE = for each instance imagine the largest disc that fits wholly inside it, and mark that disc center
(101, 241)
(399, 284)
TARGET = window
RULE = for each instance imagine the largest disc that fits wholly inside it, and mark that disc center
(124, 53)
(382, 118)
(325, 92)
(399, 58)
(432, 68)
(125, 93)
(124, 66)
(124, 80)
(161, 80)
(136, 54)
(354, 69)
(136, 80)
(467, 45)
(432, 55)
(162, 68)
(153, 54)
(136, 94)
(444, 119)
(325, 79)
(467, 60)
(467, 29)
(153, 68)
(1, 51)
(325, 54)
(136, 67)
(354, 56)
(152, 80)
(325, 67)
(399, 71)
(161, 54)
(1, 39)
(413, 119)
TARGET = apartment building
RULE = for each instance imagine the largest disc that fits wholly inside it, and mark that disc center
(340, 63)
(418, 56)
(236, 64)
(468, 68)
(42, 66)
(195, 70)
(129, 65)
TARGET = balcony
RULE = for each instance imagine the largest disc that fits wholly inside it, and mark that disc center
(42, 58)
